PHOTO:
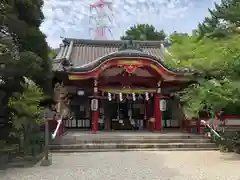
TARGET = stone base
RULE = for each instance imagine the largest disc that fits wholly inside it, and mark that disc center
(46, 162)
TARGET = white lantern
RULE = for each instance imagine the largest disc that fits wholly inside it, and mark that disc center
(80, 93)
(94, 105)
(134, 96)
(109, 96)
(95, 89)
(146, 96)
(120, 97)
(163, 105)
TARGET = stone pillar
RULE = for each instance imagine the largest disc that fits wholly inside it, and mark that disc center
(157, 112)
(95, 107)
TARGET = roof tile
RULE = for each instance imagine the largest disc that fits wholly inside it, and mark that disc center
(84, 51)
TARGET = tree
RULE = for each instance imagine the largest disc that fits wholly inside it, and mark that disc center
(23, 19)
(218, 60)
(25, 112)
(25, 106)
(23, 54)
(212, 27)
(144, 32)
(8, 70)
(223, 20)
(53, 53)
(214, 52)
(229, 11)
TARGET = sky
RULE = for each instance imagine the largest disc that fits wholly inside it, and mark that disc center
(70, 18)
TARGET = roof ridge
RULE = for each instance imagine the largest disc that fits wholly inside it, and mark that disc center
(111, 42)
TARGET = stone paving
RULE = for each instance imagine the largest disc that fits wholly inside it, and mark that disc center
(133, 166)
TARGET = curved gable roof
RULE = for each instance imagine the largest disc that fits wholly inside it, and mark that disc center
(85, 51)
(83, 55)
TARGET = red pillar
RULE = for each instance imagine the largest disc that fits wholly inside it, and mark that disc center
(157, 112)
(198, 126)
(95, 116)
(95, 108)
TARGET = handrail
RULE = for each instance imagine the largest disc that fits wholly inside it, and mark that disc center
(58, 124)
(212, 130)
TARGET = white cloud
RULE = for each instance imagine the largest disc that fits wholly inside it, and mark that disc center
(70, 18)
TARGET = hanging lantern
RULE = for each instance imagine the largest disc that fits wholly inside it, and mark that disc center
(134, 96)
(109, 97)
(80, 92)
(94, 104)
(146, 96)
(120, 97)
(163, 105)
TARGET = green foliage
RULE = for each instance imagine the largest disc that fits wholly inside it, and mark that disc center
(52, 53)
(23, 50)
(224, 19)
(23, 19)
(9, 59)
(228, 10)
(229, 141)
(23, 55)
(219, 62)
(143, 32)
(30, 11)
(26, 106)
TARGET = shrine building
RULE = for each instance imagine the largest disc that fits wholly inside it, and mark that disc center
(117, 85)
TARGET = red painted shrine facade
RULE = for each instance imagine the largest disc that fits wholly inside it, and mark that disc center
(118, 85)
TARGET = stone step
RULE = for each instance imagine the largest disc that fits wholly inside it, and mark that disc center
(132, 136)
(68, 141)
(132, 145)
(135, 149)
(128, 141)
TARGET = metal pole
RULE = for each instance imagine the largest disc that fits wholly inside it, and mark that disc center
(46, 161)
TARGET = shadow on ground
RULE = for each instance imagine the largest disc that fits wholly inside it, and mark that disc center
(230, 156)
(22, 162)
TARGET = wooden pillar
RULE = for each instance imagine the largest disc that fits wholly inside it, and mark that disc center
(145, 114)
(157, 112)
(199, 126)
(95, 108)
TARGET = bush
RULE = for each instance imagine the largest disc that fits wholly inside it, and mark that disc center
(25, 114)
(230, 141)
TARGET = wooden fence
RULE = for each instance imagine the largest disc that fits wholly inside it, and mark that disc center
(195, 126)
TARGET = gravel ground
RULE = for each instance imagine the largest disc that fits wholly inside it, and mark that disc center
(133, 166)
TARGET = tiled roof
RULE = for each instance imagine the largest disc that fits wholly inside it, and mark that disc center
(80, 52)
(83, 54)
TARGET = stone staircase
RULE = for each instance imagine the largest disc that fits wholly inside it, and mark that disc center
(130, 141)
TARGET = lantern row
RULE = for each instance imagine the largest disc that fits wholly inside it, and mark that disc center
(132, 96)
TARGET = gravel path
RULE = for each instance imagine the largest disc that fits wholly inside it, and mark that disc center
(133, 166)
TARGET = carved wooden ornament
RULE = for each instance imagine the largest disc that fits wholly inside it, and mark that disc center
(130, 68)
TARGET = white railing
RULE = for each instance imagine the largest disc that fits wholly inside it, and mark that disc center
(212, 130)
(59, 122)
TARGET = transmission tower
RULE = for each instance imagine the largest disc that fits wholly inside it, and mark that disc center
(100, 20)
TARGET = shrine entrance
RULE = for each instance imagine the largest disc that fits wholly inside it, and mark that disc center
(126, 114)
(120, 119)
(124, 94)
